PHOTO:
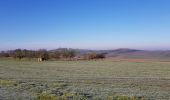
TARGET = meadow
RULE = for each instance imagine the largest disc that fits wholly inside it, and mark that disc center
(84, 80)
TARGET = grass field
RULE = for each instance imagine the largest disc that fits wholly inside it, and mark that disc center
(79, 80)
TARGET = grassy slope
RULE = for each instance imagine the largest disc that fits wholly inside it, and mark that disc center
(98, 78)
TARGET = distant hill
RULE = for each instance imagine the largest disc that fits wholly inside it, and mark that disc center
(125, 53)
(143, 54)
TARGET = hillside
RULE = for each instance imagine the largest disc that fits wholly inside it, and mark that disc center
(142, 54)
(125, 53)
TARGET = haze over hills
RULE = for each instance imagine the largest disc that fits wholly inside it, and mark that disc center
(126, 53)
(143, 54)
(122, 53)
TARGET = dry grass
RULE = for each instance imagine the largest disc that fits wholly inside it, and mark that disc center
(96, 79)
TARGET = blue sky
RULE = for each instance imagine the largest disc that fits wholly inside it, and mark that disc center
(86, 24)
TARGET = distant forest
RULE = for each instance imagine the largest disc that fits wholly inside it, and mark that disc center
(43, 54)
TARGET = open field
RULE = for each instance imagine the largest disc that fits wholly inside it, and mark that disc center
(100, 80)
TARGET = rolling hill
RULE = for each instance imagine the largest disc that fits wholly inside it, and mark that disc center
(125, 53)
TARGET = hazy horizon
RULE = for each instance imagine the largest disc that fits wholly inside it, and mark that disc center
(85, 24)
(49, 49)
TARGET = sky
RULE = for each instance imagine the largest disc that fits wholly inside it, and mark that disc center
(85, 24)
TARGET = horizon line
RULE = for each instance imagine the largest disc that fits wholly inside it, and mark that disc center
(48, 49)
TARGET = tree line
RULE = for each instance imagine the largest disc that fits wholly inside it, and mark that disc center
(43, 54)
